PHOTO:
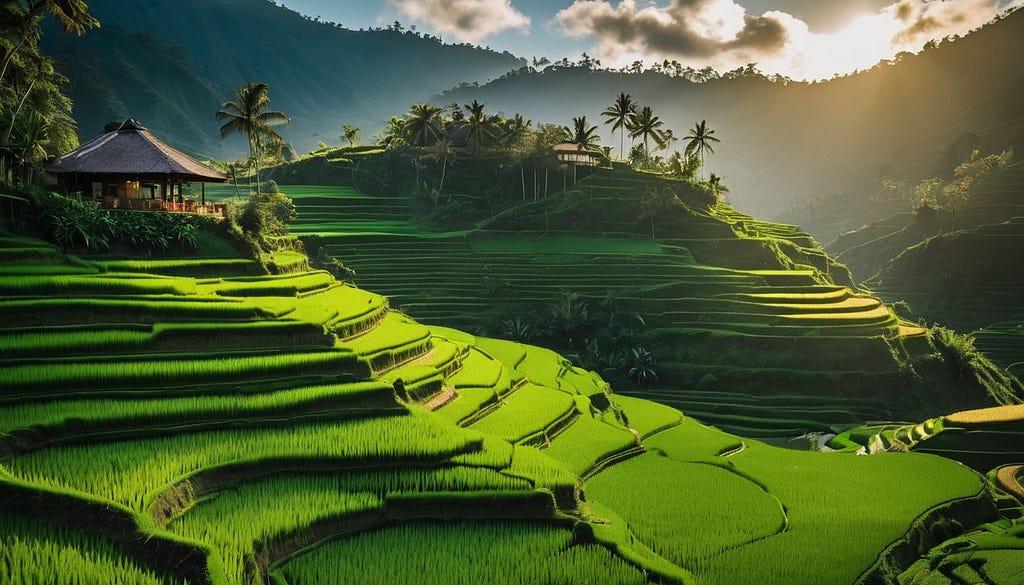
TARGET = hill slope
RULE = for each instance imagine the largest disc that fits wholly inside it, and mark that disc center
(783, 145)
(968, 278)
(321, 75)
(176, 441)
(629, 272)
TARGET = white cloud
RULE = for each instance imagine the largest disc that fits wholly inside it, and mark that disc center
(467, 20)
(724, 35)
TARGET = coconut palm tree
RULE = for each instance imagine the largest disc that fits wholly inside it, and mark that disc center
(350, 134)
(423, 123)
(582, 134)
(700, 140)
(24, 16)
(717, 188)
(515, 129)
(394, 133)
(619, 115)
(481, 126)
(668, 138)
(647, 127)
(249, 116)
(444, 154)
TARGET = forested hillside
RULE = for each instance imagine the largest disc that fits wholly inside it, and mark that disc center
(323, 75)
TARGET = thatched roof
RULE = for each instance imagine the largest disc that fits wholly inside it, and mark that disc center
(133, 151)
(570, 152)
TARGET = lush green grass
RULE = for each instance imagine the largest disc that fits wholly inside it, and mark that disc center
(863, 508)
(688, 512)
(130, 472)
(46, 380)
(587, 442)
(103, 413)
(34, 553)
(528, 411)
(463, 554)
(245, 519)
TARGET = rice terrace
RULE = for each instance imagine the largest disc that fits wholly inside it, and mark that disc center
(692, 292)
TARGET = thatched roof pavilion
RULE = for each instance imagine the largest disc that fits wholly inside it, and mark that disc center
(570, 152)
(128, 167)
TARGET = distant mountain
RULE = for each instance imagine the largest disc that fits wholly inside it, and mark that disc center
(785, 144)
(170, 64)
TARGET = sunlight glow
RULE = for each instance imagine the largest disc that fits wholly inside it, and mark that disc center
(724, 35)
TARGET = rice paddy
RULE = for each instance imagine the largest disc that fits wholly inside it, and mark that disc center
(293, 428)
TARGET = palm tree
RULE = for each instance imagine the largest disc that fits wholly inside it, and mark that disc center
(646, 126)
(73, 15)
(619, 115)
(717, 188)
(668, 138)
(233, 168)
(249, 116)
(582, 134)
(422, 123)
(700, 139)
(350, 134)
(394, 133)
(480, 125)
(515, 129)
(641, 366)
(445, 155)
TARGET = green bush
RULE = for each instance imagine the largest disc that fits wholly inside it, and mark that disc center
(71, 223)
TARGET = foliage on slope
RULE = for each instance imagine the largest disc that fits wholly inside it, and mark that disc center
(256, 469)
(642, 279)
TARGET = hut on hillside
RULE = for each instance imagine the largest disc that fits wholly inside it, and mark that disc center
(572, 153)
(127, 167)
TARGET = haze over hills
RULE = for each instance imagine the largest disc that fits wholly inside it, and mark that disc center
(323, 76)
(171, 65)
(824, 137)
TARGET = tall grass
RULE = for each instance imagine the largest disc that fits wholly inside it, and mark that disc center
(99, 285)
(687, 512)
(254, 514)
(858, 505)
(33, 553)
(127, 472)
(529, 410)
(134, 412)
(49, 380)
(462, 554)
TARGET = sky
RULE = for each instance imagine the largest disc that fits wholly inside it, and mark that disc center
(801, 39)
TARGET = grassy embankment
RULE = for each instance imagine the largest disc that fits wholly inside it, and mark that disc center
(153, 425)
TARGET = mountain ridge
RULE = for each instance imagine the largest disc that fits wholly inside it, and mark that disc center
(320, 74)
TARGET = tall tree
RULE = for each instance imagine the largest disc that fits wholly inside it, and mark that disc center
(394, 133)
(668, 138)
(582, 134)
(700, 141)
(515, 131)
(249, 116)
(444, 154)
(646, 126)
(422, 123)
(717, 188)
(350, 134)
(20, 22)
(620, 114)
(481, 126)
